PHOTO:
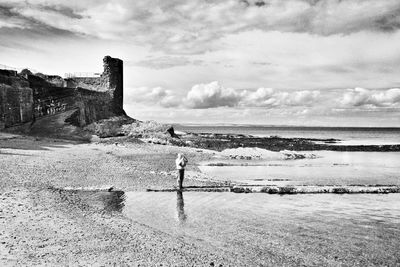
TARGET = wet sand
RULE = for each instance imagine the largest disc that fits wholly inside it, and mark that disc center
(42, 226)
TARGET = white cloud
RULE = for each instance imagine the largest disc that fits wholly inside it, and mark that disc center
(388, 97)
(268, 97)
(214, 95)
(260, 97)
(157, 95)
(359, 97)
(355, 97)
(213, 102)
(211, 95)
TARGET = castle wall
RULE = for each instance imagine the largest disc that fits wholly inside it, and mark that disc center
(91, 83)
(93, 106)
(51, 100)
(113, 77)
(27, 97)
(16, 105)
(10, 77)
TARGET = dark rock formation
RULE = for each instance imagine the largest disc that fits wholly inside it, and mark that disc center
(171, 132)
(221, 142)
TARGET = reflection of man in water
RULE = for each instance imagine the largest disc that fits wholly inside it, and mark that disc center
(180, 207)
(113, 201)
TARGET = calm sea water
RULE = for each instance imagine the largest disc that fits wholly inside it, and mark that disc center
(329, 167)
(347, 135)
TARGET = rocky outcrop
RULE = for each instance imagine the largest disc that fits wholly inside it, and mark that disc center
(220, 142)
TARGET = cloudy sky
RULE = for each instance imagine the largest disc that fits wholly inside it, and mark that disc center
(273, 62)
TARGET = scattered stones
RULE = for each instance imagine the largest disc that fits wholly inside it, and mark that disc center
(284, 190)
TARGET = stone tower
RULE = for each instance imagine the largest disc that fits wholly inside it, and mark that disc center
(113, 81)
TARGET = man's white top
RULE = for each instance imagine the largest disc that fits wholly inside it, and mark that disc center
(180, 162)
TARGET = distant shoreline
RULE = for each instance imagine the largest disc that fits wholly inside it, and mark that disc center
(221, 125)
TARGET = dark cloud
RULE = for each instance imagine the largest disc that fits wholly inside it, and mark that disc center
(16, 26)
(389, 22)
(166, 62)
(12, 19)
(261, 63)
(63, 10)
(5, 11)
(259, 3)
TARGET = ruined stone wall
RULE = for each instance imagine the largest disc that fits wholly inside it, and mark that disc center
(15, 99)
(11, 78)
(113, 79)
(16, 105)
(25, 97)
(91, 83)
(93, 106)
(52, 100)
(55, 80)
(99, 97)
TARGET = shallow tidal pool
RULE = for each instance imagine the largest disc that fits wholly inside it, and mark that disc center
(318, 229)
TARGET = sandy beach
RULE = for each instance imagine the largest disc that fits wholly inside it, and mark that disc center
(42, 226)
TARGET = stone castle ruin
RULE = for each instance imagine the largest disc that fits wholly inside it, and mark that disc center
(28, 98)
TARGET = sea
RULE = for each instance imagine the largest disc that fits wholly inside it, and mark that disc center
(323, 168)
(289, 230)
(346, 135)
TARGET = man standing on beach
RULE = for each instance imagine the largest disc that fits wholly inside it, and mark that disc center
(180, 162)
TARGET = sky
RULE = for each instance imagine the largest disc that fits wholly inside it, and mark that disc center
(269, 62)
